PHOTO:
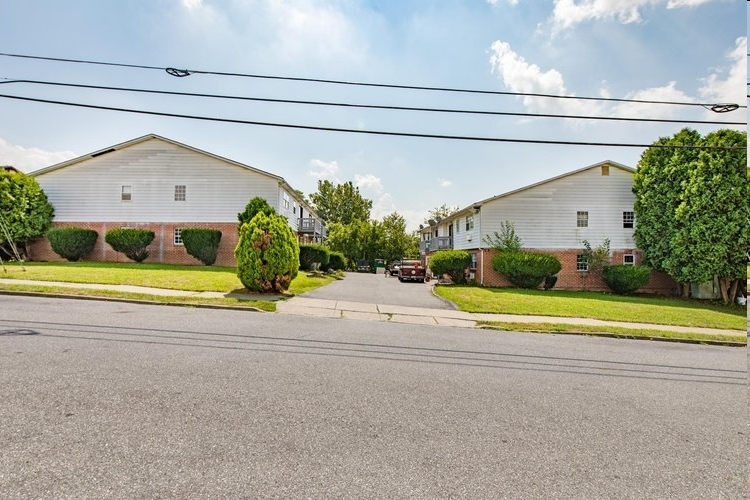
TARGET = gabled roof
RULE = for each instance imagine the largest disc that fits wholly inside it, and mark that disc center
(149, 137)
(139, 140)
(480, 203)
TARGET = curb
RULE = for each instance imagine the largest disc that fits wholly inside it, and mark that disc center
(128, 301)
(722, 343)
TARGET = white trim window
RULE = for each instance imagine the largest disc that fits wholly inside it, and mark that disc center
(458, 226)
(178, 236)
(180, 192)
(126, 193)
(469, 222)
(286, 200)
(582, 263)
(582, 219)
(628, 259)
(628, 220)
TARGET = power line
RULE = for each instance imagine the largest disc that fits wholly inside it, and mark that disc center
(353, 131)
(370, 106)
(716, 107)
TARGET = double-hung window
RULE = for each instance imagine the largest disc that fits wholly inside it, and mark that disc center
(180, 192)
(582, 219)
(628, 220)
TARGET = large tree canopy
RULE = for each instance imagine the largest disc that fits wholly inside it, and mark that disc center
(25, 212)
(340, 203)
(691, 208)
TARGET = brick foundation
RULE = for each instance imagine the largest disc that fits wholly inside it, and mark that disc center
(161, 250)
(569, 278)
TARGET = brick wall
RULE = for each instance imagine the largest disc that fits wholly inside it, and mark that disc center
(571, 279)
(161, 250)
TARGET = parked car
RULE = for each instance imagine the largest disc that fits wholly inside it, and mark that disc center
(412, 270)
(395, 265)
(363, 266)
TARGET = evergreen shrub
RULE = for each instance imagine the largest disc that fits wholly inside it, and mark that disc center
(336, 262)
(624, 279)
(526, 269)
(131, 242)
(267, 254)
(72, 243)
(454, 263)
(312, 253)
(202, 243)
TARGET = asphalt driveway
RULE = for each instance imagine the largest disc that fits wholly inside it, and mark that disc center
(378, 289)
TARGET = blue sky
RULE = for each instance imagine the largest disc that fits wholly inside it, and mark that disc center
(676, 50)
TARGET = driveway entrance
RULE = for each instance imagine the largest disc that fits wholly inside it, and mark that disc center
(378, 289)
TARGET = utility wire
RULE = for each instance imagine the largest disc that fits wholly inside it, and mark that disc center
(370, 106)
(716, 107)
(353, 131)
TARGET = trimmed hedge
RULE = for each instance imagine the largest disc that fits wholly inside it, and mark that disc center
(623, 279)
(201, 243)
(336, 262)
(72, 243)
(131, 242)
(311, 253)
(454, 263)
(526, 269)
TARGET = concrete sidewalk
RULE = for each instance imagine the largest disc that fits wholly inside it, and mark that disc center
(375, 312)
(448, 317)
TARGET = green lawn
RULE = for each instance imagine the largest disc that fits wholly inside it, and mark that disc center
(190, 278)
(604, 306)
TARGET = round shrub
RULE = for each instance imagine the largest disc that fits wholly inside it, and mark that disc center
(267, 254)
(72, 243)
(454, 263)
(623, 279)
(131, 242)
(526, 269)
(311, 254)
(201, 243)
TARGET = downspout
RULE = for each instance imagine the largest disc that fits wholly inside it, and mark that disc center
(478, 209)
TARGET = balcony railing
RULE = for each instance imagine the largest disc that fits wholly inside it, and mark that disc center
(309, 225)
(435, 244)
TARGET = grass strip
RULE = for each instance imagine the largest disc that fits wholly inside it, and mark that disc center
(262, 305)
(614, 331)
(597, 305)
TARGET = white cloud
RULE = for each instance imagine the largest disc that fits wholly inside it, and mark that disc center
(369, 183)
(30, 159)
(308, 28)
(568, 13)
(323, 170)
(444, 183)
(668, 92)
(728, 85)
(523, 77)
(192, 4)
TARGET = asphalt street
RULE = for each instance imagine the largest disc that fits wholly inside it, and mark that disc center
(119, 400)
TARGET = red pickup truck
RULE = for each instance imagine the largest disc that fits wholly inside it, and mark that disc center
(412, 270)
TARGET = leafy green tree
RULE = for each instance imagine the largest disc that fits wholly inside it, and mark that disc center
(267, 254)
(25, 212)
(340, 203)
(254, 206)
(440, 213)
(712, 215)
(395, 242)
(691, 207)
(657, 185)
(506, 240)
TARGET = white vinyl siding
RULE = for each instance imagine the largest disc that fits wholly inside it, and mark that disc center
(545, 216)
(217, 190)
